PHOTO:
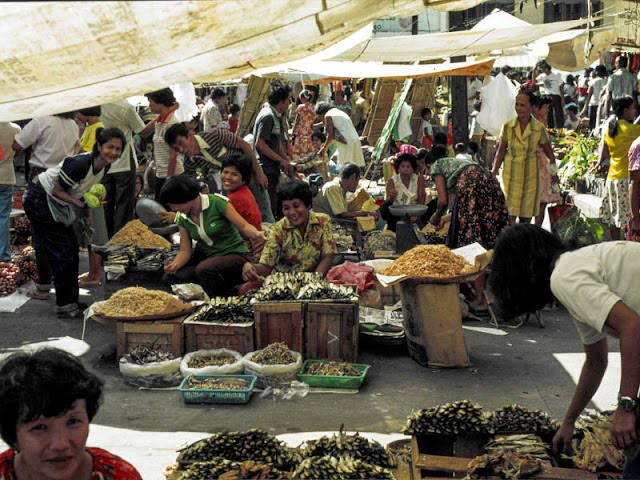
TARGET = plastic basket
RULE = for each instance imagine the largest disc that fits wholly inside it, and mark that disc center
(193, 395)
(331, 381)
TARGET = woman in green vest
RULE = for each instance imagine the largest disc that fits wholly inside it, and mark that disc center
(210, 220)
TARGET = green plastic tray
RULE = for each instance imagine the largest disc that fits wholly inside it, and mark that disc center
(198, 395)
(330, 381)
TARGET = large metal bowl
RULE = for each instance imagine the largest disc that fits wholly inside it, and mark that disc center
(148, 210)
(413, 210)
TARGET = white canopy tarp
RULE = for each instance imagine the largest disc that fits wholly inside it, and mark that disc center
(410, 48)
(60, 56)
(326, 70)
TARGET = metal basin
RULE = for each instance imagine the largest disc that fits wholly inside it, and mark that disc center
(414, 210)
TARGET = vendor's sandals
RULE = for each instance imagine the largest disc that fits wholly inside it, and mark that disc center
(84, 283)
(77, 312)
(39, 295)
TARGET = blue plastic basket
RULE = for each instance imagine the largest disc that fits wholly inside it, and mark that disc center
(196, 395)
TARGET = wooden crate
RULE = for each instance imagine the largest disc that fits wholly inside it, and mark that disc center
(210, 336)
(279, 322)
(331, 331)
(167, 334)
(438, 466)
(390, 295)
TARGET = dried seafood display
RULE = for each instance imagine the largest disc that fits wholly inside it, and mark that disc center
(220, 383)
(518, 419)
(353, 447)
(429, 261)
(513, 457)
(225, 310)
(137, 233)
(143, 354)
(274, 354)
(343, 468)
(333, 369)
(342, 237)
(596, 449)
(138, 301)
(448, 419)
(199, 361)
(302, 286)
(223, 469)
(119, 257)
(253, 444)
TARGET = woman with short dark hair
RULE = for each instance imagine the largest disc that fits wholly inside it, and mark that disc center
(218, 229)
(47, 400)
(302, 241)
(53, 202)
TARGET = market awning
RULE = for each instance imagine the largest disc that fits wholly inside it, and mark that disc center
(568, 52)
(59, 56)
(410, 48)
(325, 71)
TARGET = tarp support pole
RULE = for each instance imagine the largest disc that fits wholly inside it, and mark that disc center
(459, 108)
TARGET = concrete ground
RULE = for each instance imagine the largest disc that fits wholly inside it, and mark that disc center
(532, 366)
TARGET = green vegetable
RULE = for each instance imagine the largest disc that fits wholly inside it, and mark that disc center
(99, 191)
(91, 200)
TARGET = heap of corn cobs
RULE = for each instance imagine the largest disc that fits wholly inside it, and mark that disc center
(301, 286)
(448, 419)
(225, 310)
(517, 419)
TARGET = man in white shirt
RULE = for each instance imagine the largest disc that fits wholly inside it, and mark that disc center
(621, 83)
(212, 113)
(53, 137)
(121, 180)
(551, 84)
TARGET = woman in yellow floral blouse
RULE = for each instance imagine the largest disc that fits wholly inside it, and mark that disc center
(302, 241)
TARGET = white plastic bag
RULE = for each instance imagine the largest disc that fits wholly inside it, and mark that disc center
(231, 368)
(185, 94)
(272, 375)
(151, 375)
(498, 104)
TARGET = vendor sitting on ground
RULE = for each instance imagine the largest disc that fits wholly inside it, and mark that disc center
(217, 227)
(332, 199)
(404, 188)
(302, 241)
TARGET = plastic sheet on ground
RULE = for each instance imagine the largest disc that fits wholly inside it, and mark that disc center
(71, 345)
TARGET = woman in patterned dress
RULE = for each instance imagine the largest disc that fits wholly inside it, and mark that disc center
(518, 150)
(616, 205)
(303, 127)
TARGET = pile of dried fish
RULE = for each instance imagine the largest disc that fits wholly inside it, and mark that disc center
(137, 233)
(596, 448)
(220, 383)
(448, 419)
(352, 446)
(253, 444)
(342, 237)
(343, 468)
(200, 361)
(518, 419)
(333, 369)
(230, 470)
(138, 301)
(274, 354)
(119, 257)
(143, 354)
(429, 261)
(301, 286)
(225, 310)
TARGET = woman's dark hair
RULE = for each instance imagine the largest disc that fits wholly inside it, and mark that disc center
(533, 99)
(473, 146)
(438, 151)
(440, 138)
(460, 147)
(278, 92)
(523, 259)
(424, 111)
(620, 104)
(217, 93)
(543, 100)
(405, 157)
(240, 162)
(601, 71)
(43, 384)
(349, 170)
(294, 189)
(163, 97)
(234, 108)
(319, 134)
(322, 108)
(174, 131)
(179, 189)
(91, 111)
(103, 135)
(569, 79)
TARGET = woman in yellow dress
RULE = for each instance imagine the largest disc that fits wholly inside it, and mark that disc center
(519, 142)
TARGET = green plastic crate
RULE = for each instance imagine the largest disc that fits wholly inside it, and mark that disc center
(196, 395)
(331, 381)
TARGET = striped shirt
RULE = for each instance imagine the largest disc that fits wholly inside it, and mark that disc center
(161, 149)
(214, 144)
